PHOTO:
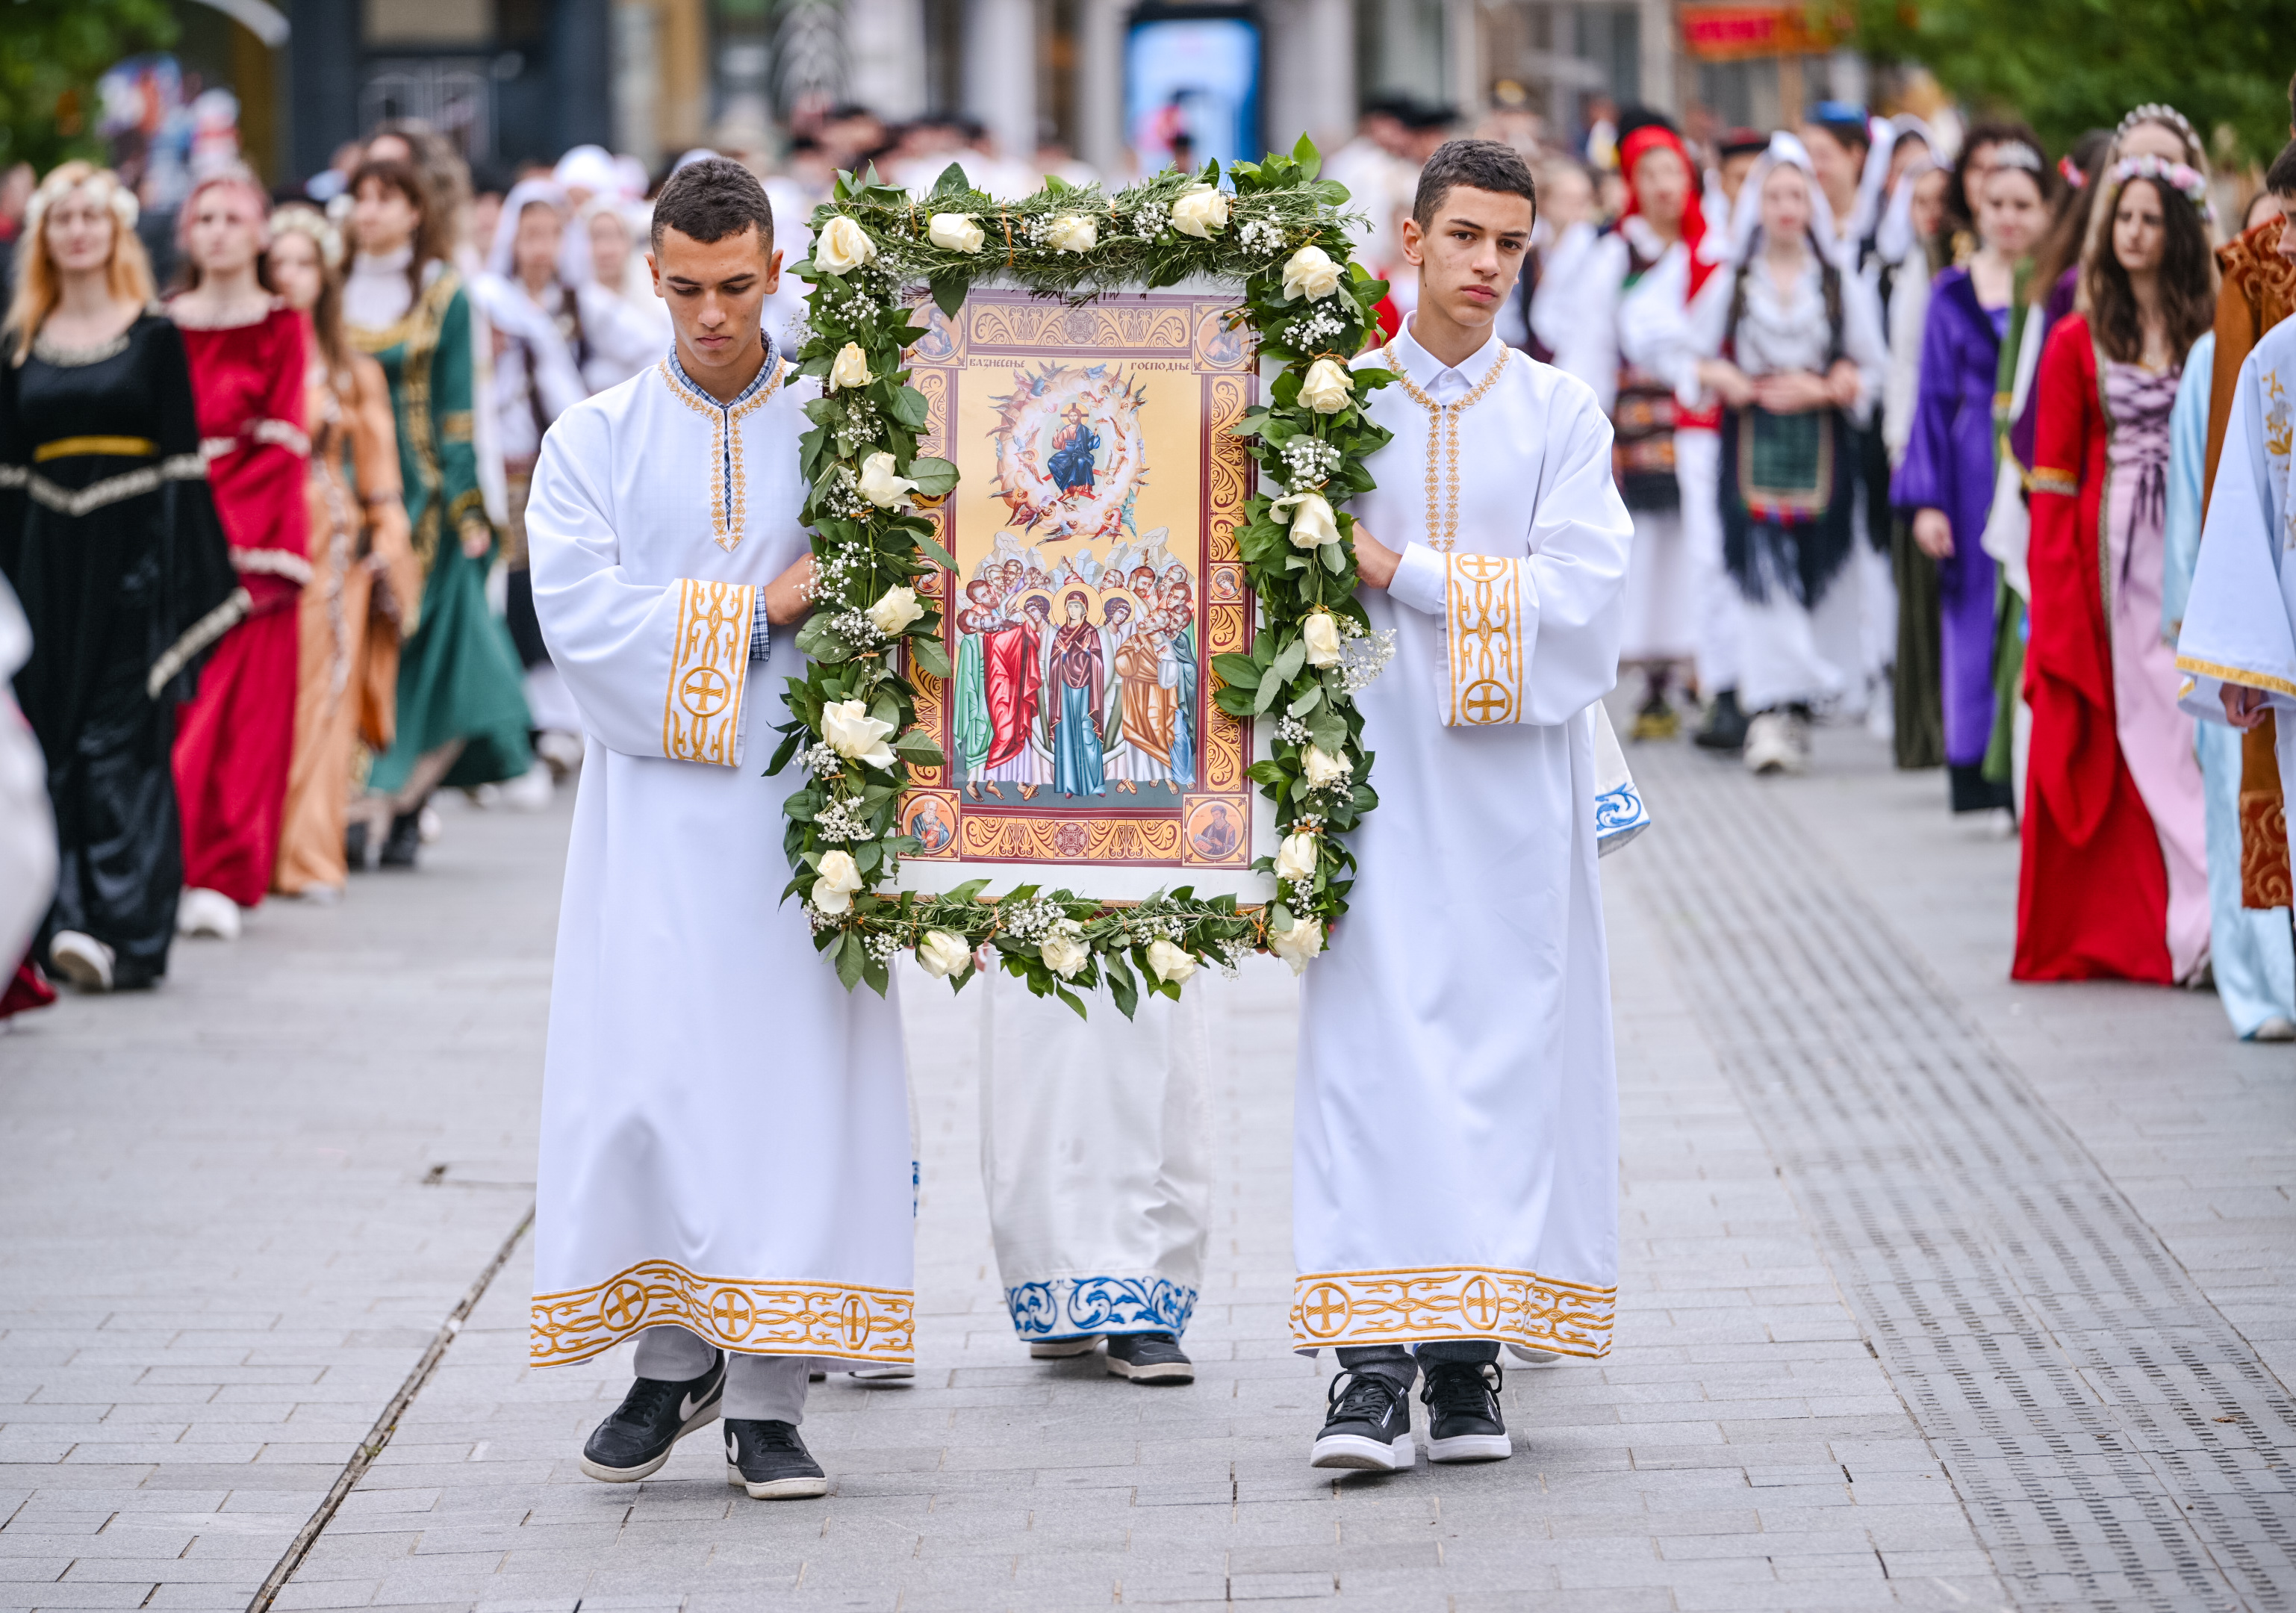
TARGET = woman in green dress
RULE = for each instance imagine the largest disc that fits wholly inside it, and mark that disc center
(461, 713)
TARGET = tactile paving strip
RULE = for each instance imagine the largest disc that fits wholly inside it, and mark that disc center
(2117, 1443)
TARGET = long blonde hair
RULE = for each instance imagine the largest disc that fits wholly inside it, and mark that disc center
(127, 275)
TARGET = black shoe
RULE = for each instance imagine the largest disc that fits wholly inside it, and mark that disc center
(355, 847)
(398, 851)
(770, 1462)
(1726, 724)
(1367, 1425)
(1463, 1412)
(652, 1418)
(1149, 1358)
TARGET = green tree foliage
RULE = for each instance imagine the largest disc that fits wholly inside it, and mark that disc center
(51, 54)
(2070, 65)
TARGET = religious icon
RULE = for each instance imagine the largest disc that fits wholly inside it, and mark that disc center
(1096, 578)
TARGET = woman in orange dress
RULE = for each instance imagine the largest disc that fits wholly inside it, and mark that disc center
(365, 584)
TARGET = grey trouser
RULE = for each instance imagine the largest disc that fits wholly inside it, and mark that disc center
(1397, 1364)
(770, 1389)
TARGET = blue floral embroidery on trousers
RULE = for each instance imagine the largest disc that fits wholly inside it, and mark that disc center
(1068, 1307)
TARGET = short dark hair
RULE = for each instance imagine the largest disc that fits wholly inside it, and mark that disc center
(2279, 178)
(710, 200)
(1479, 165)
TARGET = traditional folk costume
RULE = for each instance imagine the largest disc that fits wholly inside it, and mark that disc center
(2250, 952)
(1917, 718)
(108, 533)
(363, 592)
(2240, 622)
(737, 1175)
(234, 741)
(1455, 1143)
(2257, 292)
(2114, 878)
(1949, 466)
(1095, 1156)
(1788, 487)
(458, 673)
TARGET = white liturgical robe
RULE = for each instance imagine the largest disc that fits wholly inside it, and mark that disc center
(1455, 1144)
(725, 1128)
(2240, 622)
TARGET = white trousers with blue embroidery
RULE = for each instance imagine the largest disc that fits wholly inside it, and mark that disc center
(1095, 1155)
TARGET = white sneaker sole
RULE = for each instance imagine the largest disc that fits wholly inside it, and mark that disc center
(1471, 1447)
(1061, 1349)
(1162, 1371)
(82, 959)
(701, 1418)
(882, 1374)
(1355, 1453)
(779, 1489)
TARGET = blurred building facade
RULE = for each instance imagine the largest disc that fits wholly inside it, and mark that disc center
(514, 80)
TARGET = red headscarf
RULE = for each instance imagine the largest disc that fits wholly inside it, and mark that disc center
(1631, 151)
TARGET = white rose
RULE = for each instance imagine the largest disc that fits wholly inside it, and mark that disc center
(1295, 857)
(1321, 632)
(953, 233)
(941, 954)
(1299, 943)
(883, 488)
(833, 893)
(1172, 964)
(1309, 273)
(852, 368)
(1062, 952)
(1313, 525)
(853, 734)
(1072, 233)
(1198, 210)
(895, 610)
(1327, 386)
(1323, 769)
(843, 245)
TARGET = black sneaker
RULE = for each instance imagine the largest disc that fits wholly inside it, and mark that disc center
(1726, 724)
(770, 1462)
(1463, 1412)
(355, 847)
(1367, 1425)
(652, 1418)
(404, 842)
(1149, 1358)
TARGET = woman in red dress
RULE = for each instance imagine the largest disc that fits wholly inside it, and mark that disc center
(2114, 881)
(234, 741)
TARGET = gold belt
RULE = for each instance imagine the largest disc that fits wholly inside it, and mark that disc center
(116, 447)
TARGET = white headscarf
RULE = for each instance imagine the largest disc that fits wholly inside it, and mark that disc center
(589, 168)
(1785, 151)
(1881, 136)
(1893, 237)
(500, 252)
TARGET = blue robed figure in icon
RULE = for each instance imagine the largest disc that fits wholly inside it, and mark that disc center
(1073, 449)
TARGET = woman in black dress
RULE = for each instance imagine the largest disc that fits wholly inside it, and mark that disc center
(109, 535)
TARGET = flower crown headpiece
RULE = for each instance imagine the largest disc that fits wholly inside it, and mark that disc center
(2162, 113)
(2016, 154)
(2069, 172)
(2185, 180)
(311, 223)
(101, 184)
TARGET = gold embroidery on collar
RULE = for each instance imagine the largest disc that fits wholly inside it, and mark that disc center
(1443, 445)
(728, 481)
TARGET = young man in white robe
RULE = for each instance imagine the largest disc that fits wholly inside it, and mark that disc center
(725, 1174)
(2238, 642)
(1455, 1153)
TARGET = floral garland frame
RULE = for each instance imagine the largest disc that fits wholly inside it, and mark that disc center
(853, 713)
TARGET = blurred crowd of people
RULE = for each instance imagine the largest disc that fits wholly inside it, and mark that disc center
(1916, 424)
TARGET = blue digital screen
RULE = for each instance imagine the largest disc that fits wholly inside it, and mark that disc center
(1192, 83)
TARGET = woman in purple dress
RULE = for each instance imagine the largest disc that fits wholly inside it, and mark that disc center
(1947, 478)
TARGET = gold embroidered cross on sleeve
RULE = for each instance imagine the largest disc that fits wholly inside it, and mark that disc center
(1488, 654)
(709, 663)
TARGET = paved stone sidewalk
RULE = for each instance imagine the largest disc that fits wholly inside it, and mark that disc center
(1745, 1444)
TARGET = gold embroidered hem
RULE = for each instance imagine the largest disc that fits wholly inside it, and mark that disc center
(709, 665)
(1486, 654)
(752, 1316)
(1443, 444)
(2235, 674)
(1422, 1305)
(2043, 479)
